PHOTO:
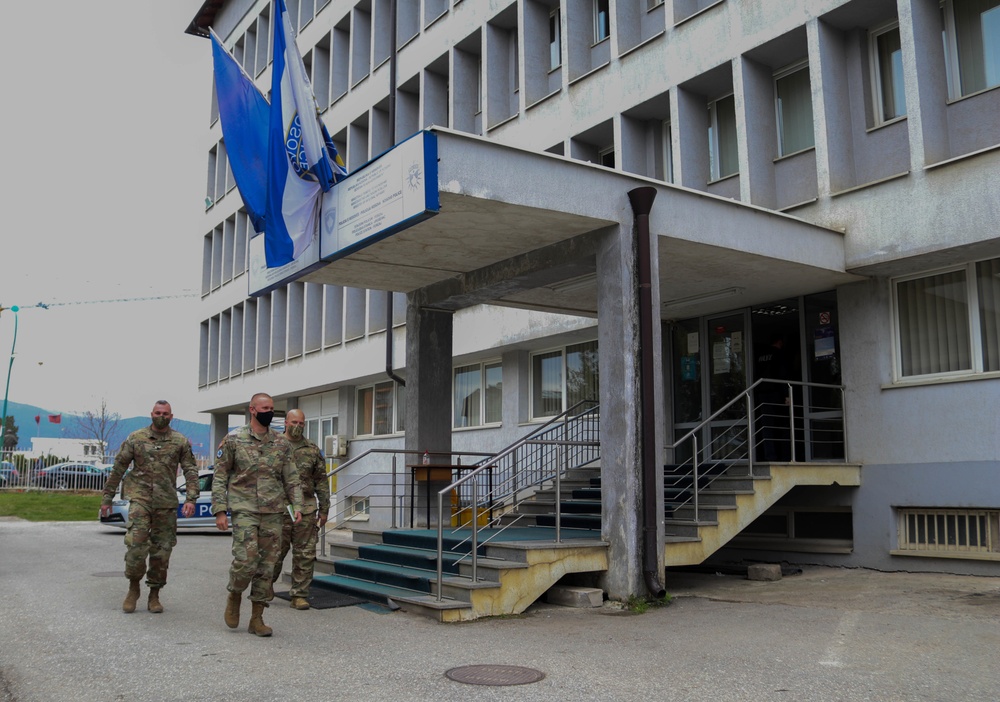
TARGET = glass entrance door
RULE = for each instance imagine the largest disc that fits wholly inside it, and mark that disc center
(714, 359)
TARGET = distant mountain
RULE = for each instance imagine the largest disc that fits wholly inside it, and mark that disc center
(69, 427)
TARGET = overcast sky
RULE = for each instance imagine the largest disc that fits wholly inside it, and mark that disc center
(103, 169)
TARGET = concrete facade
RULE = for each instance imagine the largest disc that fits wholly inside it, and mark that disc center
(532, 252)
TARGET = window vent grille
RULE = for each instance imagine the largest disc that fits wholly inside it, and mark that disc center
(949, 530)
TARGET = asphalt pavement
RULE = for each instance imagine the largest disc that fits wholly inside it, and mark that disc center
(823, 634)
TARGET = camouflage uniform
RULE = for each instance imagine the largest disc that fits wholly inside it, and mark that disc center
(151, 488)
(302, 537)
(256, 478)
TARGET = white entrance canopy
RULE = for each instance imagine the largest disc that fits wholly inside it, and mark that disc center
(520, 228)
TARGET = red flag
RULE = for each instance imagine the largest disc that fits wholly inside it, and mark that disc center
(38, 418)
(55, 418)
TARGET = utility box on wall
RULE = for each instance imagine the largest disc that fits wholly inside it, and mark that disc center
(335, 445)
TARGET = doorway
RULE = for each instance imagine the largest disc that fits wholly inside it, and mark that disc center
(715, 358)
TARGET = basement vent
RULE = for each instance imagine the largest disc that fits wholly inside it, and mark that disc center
(947, 532)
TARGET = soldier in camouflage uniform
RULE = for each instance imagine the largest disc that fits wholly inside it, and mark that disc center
(255, 477)
(151, 487)
(302, 537)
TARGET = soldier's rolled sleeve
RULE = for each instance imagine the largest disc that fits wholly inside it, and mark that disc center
(293, 485)
(220, 482)
(322, 485)
(122, 462)
(189, 466)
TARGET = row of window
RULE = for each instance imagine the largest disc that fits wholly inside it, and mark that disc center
(449, 91)
(560, 379)
(287, 323)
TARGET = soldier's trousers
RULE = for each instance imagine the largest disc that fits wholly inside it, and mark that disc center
(301, 538)
(151, 533)
(256, 542)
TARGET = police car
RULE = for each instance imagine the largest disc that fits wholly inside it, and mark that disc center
(201, 519)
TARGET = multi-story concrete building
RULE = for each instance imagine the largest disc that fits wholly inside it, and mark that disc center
(825, 172)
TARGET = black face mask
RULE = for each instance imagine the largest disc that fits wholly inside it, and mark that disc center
(264, 418)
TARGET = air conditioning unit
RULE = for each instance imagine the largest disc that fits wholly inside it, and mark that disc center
(335, 445)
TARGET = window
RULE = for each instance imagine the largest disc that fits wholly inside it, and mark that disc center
(793, 102)
(887, 64)
(949, 322)
(602, 21)
(319, 428)
(972, 40)
(606, 157)
(948, 533)
(380, 410)
(555, 39)
(560, 379)
(360, 507)
(478, 395)
(722, 150)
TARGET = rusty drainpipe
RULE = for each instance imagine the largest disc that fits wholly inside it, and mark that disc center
(641, 200)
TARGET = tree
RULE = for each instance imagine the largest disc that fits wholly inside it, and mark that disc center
(102, 426)
(10, 437)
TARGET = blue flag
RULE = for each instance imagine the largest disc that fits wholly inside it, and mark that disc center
(244, 113)
(301, 159)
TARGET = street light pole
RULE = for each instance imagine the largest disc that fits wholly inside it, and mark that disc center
(3, 427)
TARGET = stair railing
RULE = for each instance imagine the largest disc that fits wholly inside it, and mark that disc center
(571, 439)
(363, 484)
(741, 446)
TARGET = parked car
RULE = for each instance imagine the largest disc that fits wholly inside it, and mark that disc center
(201, 519)
(71, 476)
(8, 474)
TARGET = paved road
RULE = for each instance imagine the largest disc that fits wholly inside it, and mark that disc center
(827, 634)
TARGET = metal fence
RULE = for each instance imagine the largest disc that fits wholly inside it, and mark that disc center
(22, 469)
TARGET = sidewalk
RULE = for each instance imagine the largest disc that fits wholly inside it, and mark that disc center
(825, 634)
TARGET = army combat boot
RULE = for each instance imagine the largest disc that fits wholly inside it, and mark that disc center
(299, 603)
(233, 610)
(257, 625)
(153, 604)
(132, 597)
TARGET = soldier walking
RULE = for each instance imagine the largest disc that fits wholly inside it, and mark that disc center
(301, 537)
(255, 477)
(151, 486)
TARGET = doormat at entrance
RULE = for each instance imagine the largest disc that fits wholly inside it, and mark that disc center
(325, 599)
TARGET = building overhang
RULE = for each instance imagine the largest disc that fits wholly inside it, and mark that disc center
(520, 228)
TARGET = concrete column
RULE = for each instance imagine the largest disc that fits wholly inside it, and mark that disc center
(428, 394)
(621, 409)
(217, 429)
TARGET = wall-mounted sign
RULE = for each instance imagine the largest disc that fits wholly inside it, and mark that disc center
(386, 195)
(391, 193)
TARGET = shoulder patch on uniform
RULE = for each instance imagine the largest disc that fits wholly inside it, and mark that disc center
(219, 454)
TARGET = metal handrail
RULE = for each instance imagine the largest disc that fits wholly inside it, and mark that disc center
(747, 396)
(394, 453)
(488, 464)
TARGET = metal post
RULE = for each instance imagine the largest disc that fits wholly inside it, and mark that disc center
(694, 463)
(562, 464)
(475, 526)
(843, 418)
(791, 423)
(440, 553)
(751, 429)
(392, 502)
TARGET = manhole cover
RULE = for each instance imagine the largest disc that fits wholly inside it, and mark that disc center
(116, 574)
(497, 675)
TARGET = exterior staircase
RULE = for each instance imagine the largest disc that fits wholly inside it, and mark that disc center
(520, 559)
(514, 568)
